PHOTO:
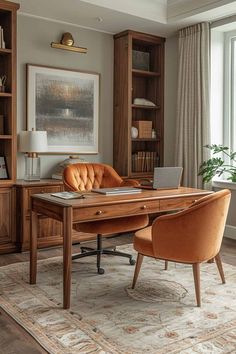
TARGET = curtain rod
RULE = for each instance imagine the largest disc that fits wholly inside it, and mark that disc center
(223, 21)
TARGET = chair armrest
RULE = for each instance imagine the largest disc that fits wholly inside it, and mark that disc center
(192, 235)
(130, 182)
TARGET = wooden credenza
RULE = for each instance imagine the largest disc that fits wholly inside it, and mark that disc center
(8, 242)
(49, 230)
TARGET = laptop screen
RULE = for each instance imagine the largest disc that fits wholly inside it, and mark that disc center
(167, 177)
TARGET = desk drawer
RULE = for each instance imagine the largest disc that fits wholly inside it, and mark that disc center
(177, 203)
(40, 190)
(111, 211)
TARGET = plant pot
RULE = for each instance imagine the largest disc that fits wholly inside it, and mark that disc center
(2, 88)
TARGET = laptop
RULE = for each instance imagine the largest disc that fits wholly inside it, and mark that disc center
(116, 190)
(165, 178)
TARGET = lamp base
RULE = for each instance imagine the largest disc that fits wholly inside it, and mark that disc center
(32, 168)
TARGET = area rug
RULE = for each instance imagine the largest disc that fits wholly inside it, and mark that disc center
(106, 316)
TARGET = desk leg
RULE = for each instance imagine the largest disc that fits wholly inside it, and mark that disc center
(33, 246)
(67, 246)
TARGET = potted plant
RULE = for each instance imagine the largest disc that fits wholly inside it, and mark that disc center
(216, 165)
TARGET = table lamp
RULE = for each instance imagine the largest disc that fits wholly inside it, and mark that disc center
(32, 142)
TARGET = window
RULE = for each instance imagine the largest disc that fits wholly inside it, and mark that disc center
(229, 121)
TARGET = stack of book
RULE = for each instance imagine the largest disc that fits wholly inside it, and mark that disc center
(2, 42)
(144, 161)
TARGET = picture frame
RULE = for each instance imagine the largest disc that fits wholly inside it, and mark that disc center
(3, 168)
(140, 60)
(65, 103)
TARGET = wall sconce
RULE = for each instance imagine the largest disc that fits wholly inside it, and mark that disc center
(32, 142)
(67, 42)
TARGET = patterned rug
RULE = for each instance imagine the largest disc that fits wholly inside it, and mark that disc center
(160, 316)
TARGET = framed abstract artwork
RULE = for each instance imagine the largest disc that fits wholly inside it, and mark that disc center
(65, 103)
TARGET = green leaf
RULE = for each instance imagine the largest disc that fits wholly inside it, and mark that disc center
(216, 165)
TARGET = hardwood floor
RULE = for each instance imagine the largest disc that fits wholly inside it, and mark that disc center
(15, 340)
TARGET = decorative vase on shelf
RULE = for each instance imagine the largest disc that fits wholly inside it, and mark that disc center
(134, 132)
(154, 134)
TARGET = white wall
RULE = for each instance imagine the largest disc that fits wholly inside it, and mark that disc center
(34, 38)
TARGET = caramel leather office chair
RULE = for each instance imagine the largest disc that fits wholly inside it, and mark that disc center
(84, 177)
(191, 236)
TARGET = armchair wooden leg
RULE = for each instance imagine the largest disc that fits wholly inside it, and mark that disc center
(196, 275)
(166, 265)
(137, 269)
(220, 268)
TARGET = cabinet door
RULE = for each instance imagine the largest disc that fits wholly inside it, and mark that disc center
(39, 190)
(49, 230)
(7, 234)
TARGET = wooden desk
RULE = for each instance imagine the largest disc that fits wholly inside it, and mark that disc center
(99, 207)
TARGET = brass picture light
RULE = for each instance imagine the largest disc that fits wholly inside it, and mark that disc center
(67, 42)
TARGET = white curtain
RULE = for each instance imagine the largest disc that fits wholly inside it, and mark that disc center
(193, 119)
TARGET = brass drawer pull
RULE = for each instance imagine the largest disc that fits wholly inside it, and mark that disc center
(99, 212)
(144, 207)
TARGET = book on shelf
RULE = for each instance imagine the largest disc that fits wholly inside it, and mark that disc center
(2, 42)
(1, 124)
(144, 161)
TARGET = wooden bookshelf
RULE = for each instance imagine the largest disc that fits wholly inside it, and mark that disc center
(130, 82)
(8, 138)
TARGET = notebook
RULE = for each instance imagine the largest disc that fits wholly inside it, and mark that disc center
(68, 195)
(165, 178)
(116, 190)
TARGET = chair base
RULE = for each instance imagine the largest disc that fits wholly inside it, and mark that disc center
(84, 249)
(196, 273)
(87, 251)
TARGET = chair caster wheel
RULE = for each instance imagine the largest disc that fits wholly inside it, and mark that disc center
(101, 271)
(132, 261)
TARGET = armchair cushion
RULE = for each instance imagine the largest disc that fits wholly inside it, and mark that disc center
(143, 241)
(120, 225)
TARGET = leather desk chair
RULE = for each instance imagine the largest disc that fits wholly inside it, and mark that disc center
(84, 177)
(191, 236)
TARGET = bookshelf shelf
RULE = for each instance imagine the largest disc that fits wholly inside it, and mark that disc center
(146, 139)
(4, 51)
(144, 73)
(5, 94)
(6, 137)
(139, 106)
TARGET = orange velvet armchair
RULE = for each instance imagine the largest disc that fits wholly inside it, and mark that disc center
(191, 236)
(84, 177)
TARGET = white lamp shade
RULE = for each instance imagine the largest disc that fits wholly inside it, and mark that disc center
(33, 141)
